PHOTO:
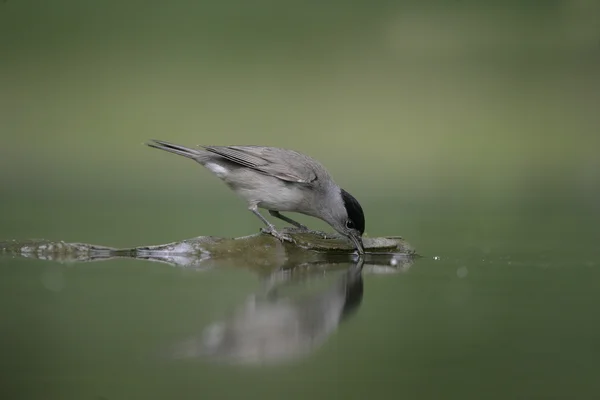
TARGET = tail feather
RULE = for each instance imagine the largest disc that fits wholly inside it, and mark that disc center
(174, 148)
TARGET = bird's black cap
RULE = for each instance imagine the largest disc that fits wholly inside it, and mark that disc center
(354, 211)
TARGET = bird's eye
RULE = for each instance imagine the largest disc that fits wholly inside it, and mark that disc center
(349, 224)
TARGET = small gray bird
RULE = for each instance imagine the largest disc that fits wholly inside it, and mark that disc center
(280, 180)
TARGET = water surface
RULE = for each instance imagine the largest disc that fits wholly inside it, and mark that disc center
(485, 313)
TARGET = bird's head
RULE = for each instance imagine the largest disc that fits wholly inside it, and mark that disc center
(349, 220)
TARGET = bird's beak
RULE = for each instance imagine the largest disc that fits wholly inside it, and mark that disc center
(357, 240)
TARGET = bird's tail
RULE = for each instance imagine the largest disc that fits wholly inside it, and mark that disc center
(175, 148)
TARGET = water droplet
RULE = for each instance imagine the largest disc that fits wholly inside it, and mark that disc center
(462, 272)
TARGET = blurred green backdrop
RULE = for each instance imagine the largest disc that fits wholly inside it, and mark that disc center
(417, 108)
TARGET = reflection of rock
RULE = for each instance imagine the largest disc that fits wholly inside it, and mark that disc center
(278, 328)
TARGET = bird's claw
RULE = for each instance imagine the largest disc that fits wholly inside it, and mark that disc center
(282, 237)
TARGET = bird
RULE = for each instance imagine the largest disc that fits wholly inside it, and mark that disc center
(279, 180)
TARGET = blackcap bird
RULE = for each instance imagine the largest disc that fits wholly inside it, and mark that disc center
(278, 180)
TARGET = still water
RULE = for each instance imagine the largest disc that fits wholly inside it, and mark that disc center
(486, 313)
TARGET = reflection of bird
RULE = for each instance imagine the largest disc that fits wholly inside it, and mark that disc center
(280, 180)
(278, 329)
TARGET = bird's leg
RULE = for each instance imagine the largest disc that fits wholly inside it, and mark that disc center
(270, 229)
(299, 227)
(290, 221)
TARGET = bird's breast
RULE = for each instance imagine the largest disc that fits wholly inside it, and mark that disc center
(269, 192)
(281, 197)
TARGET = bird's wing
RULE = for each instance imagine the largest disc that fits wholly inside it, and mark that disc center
(287, 165)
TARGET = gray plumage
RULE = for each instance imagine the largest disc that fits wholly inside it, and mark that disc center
(278, 180)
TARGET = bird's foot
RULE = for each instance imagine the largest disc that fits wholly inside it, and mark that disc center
(282, 237)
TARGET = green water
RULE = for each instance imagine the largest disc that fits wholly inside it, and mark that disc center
(499, 306)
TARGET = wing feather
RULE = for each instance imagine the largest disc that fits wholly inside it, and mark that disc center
(287, 165)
